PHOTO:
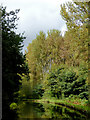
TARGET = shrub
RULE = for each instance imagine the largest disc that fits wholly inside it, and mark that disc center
(13, 106)
(64, 82)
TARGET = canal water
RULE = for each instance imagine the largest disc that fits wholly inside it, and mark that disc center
(45, 111)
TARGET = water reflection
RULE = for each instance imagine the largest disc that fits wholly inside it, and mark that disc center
(31, 111)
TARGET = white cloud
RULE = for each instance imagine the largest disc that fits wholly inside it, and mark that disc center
(36, 15)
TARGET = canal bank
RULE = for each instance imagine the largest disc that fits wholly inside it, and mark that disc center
(75, 105)
(49, 108)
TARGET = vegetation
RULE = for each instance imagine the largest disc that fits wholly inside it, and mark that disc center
(13, 106)
(50, 111)
(54, 66)
(76, 104)
(12, 58)
(59, 64)
(64, 82)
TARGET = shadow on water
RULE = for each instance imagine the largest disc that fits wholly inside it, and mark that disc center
(45, 111)
(37, 111)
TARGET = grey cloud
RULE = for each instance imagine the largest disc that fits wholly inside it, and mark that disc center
(36, 15)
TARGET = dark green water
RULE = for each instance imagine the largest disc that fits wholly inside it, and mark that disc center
(37, 111)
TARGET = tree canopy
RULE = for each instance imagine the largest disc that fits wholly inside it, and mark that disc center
(46, 53)
(12, 57)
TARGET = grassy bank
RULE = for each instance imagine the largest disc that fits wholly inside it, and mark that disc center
(79, 105)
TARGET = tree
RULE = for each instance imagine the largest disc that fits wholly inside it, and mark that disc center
(12, 57)
(64, 82)
(36, 57)
(75, 14)
(56, 53)
(43, 52)
(76, 17)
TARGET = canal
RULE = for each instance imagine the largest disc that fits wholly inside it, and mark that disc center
(46, 111)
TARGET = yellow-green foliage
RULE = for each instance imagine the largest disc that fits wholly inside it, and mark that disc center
(25, 87)
(45, 56)
(13, 106)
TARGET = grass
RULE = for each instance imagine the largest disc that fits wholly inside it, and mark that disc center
(76, 104)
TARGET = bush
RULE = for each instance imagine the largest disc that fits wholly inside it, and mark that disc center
(84, 95)
(37, 91)
(25, 88)
(64, 82)
(13, 106)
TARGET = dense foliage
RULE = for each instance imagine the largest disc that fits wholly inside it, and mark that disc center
(46, 55)
(12, 57)
(56, 66)
(64, 82)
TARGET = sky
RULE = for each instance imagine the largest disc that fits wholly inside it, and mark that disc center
(36, 16)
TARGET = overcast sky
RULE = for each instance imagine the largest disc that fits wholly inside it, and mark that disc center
(36, 15)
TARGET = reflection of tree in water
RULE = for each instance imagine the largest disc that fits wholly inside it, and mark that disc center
(54, 112)
(26, 110)
(37, 110)
(64, 113)
(48, 111)
(75, 115)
